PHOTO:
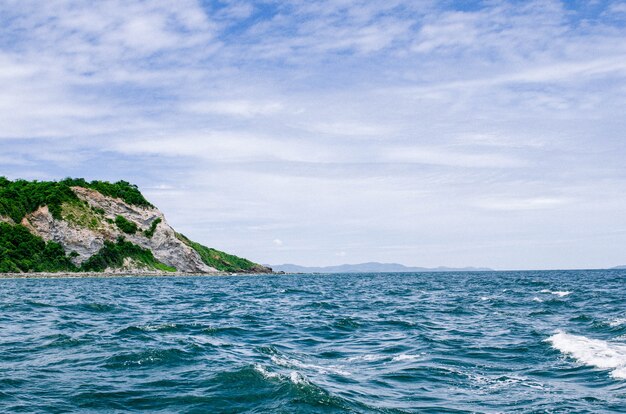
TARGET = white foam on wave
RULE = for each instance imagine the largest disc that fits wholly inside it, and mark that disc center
(617, 322)
(297, 378)
(380, 357)
(263, 371)
(367, 357)
(153, 328)
(536, 299)
(559, 293)
(405, 357)
(294, 363)
(594, 352)
(294, 376)
(495, 383)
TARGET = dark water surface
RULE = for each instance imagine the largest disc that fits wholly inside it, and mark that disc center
(376, 343)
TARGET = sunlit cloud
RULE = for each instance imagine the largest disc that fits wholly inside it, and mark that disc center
(342, 125)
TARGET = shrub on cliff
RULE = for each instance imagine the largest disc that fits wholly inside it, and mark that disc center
(20, 197)
(124, 190)
(112, 256)
(219, 260)
(21, 251)
(150, 232)
(125, 225)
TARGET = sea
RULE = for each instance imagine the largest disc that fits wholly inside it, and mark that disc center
(484, 342)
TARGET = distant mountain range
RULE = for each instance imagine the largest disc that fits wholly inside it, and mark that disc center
(619, 267)
(371, 267)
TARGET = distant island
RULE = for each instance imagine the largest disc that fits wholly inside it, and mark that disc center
(372, 267)
(97, 227)
(619, 267)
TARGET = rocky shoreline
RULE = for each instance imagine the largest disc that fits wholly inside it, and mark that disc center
(75, 275)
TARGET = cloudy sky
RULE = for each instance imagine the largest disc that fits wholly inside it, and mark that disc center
(457, 133)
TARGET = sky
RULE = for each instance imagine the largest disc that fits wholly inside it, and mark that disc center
(453, 133)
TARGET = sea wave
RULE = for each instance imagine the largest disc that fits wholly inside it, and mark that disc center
(161, 356)
(295, 377)
(368, 358)
(265, 372)
(594, 352)
(303, 391)
(559, 293)
(405, 357)
(164, 327)
(342, 344)
(294, 363)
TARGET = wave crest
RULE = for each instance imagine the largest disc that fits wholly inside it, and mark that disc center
(593, 352)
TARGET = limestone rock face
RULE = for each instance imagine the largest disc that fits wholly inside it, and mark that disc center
(83, 241)
(4, 219)
(86, 235)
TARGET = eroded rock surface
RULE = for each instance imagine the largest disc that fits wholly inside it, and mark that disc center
(4, 219)
(83, 241)
(86, 240)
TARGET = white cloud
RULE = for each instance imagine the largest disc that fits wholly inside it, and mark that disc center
(225, 146)
(618, 7)
(446, 157)
(243, 108)
(346, 123)
(453, 30)
(349, 128)
(513, 204)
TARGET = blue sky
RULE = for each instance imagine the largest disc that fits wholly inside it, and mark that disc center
(423, 132)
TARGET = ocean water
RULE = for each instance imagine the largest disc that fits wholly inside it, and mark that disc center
(501, 342)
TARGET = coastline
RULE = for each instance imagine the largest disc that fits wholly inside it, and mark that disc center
(80, 275)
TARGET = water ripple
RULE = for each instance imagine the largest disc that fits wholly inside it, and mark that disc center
(374, 343)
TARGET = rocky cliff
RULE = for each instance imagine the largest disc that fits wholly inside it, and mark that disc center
(103, 231)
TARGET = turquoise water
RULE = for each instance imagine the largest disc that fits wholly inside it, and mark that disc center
(374, 343)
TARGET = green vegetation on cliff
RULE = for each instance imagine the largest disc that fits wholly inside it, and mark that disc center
(120, 189)
(21, 251)
(19, 198)
(219, 260)
(112, 256)
(79, 222)
(150, 232)
(125, 225)
(81, 215)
